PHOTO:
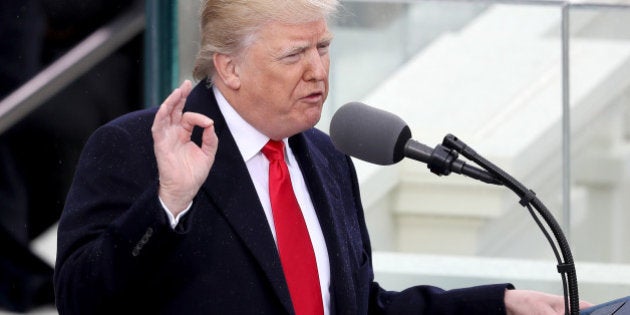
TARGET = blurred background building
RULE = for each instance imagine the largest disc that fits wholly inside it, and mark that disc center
(539, 87)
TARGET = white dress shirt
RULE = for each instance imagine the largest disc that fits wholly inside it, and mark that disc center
(250, 141)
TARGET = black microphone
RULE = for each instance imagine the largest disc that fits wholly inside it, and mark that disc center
(380, 137)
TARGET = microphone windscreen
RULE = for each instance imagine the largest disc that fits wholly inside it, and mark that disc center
(368, 133)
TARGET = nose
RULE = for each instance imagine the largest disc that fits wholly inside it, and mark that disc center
(316, 68)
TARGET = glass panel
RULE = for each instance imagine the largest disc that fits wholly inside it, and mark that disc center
(188, 35)
(376, 39)
(490, 74)
(487, 73)
(600, 112)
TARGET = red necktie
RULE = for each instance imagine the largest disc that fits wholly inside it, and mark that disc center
(294, 243)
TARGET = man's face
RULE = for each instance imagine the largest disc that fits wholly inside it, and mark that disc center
(284, 78)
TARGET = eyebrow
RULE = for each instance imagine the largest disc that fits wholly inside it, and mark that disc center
(326, 39)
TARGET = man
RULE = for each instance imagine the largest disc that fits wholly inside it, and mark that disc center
(158, 223)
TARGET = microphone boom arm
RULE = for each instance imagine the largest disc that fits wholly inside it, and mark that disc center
(529, 197)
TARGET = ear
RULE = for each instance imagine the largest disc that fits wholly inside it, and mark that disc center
(227, 70)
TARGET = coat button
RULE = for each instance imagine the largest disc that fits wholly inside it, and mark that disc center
(145, 239)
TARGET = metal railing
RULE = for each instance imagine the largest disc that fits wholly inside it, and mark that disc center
(70, 66)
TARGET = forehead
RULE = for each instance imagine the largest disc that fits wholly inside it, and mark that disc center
(285, 33)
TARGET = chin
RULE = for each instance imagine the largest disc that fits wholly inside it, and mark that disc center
(312, 120)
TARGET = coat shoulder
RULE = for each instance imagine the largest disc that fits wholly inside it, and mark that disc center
(140, 119)
(322, 141)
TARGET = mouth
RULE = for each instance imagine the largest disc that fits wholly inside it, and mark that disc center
(317, 96)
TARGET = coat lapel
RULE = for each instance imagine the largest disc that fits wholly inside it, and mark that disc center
(230, 187)
(326, 195)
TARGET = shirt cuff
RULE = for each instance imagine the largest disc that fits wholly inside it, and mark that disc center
(172, 219)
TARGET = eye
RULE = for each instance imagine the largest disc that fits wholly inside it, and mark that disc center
(323, 48)
(292, 56)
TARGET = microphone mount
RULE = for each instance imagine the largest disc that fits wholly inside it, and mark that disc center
(442, 161)
(566, 265)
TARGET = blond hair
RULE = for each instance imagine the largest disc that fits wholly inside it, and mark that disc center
(229, 26)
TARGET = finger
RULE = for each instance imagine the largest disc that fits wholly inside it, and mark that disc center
(186, 87)
(191, 119)
(178, 107)
(164, 112)
(584, 305)
(174, 100)
(210, 141)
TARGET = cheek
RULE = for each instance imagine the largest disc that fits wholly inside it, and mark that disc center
(281, 85)
(311, 115)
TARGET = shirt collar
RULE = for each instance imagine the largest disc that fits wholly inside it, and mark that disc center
(248, 140)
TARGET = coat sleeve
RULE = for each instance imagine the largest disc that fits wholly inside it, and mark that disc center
(425, 299)
(113, 231)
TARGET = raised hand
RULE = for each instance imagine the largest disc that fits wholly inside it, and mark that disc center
(182, 165)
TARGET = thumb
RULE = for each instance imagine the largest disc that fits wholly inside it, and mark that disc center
(209, 141)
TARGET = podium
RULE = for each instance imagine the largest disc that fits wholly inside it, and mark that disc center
(615, 307)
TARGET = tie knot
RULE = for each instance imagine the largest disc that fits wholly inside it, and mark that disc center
(274, 150)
